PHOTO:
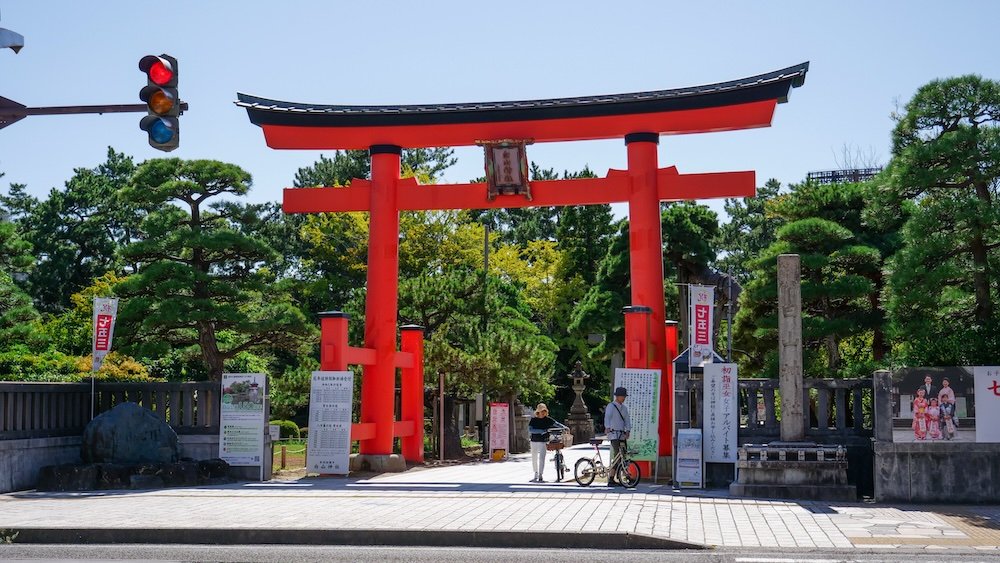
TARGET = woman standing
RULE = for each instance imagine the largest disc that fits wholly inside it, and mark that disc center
(539, 427)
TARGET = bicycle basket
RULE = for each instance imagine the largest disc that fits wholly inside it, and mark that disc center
(554, 445)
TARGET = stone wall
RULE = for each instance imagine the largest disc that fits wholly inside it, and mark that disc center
(941, 472)
(20, 460)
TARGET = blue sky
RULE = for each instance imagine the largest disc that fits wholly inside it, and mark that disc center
(866, 59)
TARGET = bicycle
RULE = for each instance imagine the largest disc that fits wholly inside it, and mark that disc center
(627, 471)
(555, 444)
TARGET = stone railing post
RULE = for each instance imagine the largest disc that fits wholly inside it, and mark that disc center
(882, 422)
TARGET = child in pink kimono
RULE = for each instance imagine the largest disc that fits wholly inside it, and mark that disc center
(920, 415)
(934, 420)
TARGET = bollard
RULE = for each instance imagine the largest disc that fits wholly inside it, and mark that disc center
(284, 451)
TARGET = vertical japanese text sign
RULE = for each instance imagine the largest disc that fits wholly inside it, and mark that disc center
(987, 403)
(105, 311)
(331, 403)
(242, 421)
(643, 403)
(701, 327)
(499, 429)
(720, 412)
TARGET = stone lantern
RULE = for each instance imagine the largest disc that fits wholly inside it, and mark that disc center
(579, 421)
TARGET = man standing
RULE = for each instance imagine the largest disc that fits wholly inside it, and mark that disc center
(929, 390)
(618, 425)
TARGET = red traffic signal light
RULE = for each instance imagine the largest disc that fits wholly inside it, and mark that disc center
(162, 102)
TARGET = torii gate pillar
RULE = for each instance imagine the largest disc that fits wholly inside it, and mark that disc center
(379, 381)
(646, 272)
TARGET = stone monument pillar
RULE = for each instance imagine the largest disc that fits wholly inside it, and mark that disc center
(790, 347)
(579, 421)
(792, 467)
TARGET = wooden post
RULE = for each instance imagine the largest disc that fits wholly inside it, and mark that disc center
(790, 347)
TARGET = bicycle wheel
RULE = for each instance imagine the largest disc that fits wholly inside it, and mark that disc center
(629, 474)
(584, 472)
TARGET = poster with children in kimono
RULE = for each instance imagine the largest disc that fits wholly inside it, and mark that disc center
(936, 404)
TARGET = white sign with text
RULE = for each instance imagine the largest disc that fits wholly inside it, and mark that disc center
(987, 403)
(721, 413)
(331, 400)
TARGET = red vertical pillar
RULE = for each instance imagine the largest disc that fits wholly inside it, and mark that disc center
(667, 390)
(646, 254)
(412, 392)
(379, 381)
(637, 335)
(333, 340)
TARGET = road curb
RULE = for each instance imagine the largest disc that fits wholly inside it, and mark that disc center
(388, 537)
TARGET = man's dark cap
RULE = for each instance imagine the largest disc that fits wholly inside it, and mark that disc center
(621, 392)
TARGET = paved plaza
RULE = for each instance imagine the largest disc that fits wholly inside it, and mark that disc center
(496, 498)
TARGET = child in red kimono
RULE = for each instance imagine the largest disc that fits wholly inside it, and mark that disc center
(920, 416)
(934, 420)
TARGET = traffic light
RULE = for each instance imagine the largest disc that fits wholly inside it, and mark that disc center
(163, 105)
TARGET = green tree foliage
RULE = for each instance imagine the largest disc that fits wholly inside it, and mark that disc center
(837, 281)
(18, 318)
(748, 232)
(510, 357)
(200, 281)
(15, 252)
(77, 231)
(689, 234)
(945, 172)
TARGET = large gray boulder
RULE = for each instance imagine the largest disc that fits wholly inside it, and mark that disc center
(129, 433)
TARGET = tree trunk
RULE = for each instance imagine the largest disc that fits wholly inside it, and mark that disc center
(981, 280)
(210, 350)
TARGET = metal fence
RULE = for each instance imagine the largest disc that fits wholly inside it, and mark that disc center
(42, 410)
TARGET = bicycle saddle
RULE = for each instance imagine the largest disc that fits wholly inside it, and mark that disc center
(596, 441)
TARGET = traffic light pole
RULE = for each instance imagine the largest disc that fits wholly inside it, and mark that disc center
(11, 111)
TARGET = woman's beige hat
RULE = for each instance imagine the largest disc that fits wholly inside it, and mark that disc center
(541, 407)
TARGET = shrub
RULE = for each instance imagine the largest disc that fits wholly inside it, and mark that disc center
(288, 428)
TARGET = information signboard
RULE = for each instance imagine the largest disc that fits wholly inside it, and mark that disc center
(721, 413)
(643, 403)
(689, 463)
(242, 418)
(499, 430)
(330, 409)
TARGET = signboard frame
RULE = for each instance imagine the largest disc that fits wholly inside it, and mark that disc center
(721, 412)
(331, 412)
(643, 403)
(499, 431)
(243, 419)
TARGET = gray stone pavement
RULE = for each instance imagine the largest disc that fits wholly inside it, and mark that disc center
(496, 497)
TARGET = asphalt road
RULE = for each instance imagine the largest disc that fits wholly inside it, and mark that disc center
(280, 553)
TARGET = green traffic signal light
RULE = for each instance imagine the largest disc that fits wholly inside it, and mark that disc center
(162, 102)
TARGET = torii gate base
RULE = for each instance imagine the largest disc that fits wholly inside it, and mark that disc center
(336, 355)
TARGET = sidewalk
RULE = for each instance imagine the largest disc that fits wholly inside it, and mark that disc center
(487, 504)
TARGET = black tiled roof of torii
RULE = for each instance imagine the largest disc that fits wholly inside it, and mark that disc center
(785, 79)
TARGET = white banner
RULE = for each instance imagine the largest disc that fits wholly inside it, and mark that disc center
(499, 430)
(643, 403)
(689, 465)
(243, 420)
(331, 403)
(987, 403)
(721, 415)
(105, 313)
(701, 329)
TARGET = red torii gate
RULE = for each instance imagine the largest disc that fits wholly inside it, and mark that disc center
(639, 118)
